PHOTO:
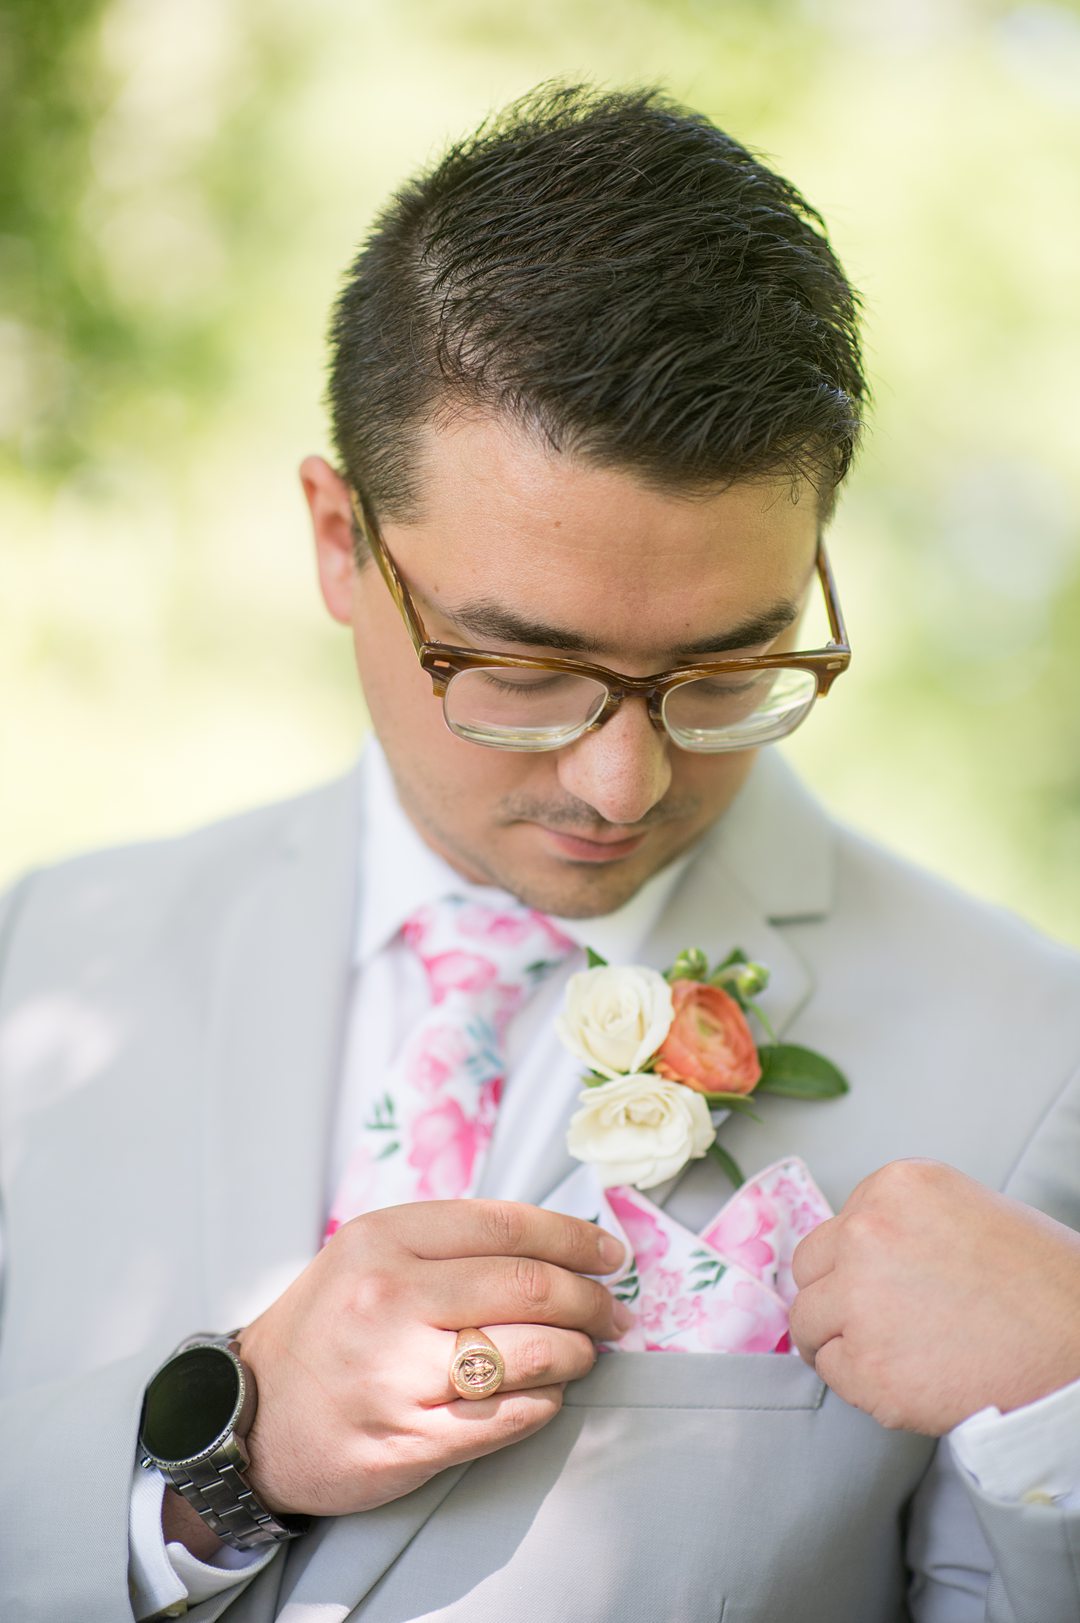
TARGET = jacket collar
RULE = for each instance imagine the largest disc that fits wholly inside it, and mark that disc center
(779, 841)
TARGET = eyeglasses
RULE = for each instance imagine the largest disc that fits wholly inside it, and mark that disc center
(509, 702)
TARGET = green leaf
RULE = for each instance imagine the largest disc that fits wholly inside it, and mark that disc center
(798, 1073)
(728, 1163)
(594, 960)
(629, 1288)
(737, 1102)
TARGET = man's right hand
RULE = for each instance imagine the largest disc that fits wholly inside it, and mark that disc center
(352, 1361)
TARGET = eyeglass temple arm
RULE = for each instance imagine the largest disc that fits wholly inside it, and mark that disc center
(369, 531)
(837, 628)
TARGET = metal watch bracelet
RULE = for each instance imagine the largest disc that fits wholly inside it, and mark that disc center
(216, 1489)
(230, 1508)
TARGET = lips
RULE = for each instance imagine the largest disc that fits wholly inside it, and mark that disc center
(579, 849)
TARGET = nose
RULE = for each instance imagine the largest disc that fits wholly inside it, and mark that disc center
(622, 769)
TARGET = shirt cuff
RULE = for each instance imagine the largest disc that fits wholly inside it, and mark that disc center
(165, 1580)
(1030, 1455)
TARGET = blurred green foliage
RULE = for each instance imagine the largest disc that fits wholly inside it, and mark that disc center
(180, 188)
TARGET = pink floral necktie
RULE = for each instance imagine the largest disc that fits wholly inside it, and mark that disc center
(427, 1133)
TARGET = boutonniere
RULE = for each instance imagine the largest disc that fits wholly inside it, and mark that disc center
(667, 1053)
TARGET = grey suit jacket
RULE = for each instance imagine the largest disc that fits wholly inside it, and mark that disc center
(170, 1025)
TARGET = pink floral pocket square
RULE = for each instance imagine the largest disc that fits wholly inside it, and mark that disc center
(764, 1221)
(726, 1289)
(690, 1297)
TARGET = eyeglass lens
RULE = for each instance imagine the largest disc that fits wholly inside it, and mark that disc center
(510, 707)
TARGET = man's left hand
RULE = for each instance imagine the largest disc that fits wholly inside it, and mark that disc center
(930, 1297)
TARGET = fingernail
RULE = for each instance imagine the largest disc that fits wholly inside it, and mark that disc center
(623, 1317)
(612, 1251)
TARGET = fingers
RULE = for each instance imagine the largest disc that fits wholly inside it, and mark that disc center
(535, 1357)
(519, 1290)
(851, 1379)
(816, 1318)
(815, 1255)
(834, 1367)
(464, 1430)
(440, 1229)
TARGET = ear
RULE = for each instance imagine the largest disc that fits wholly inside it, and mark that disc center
(331, 524)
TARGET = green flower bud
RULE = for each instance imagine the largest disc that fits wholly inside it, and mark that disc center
(751, 979)
(691, 965)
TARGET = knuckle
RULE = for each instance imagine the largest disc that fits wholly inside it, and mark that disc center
(801, 1262)
(504, 1225)
(372, 1293)
(864, 1229)
(912, 1173)
(535, 1360)
(515, 1415)
(532, 1284)
(601, 1305)
(585, 1352)
(578, 1240)
(518, 1416)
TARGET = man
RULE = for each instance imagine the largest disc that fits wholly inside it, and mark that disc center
(595, 385)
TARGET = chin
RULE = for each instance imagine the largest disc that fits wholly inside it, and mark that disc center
(578, 893)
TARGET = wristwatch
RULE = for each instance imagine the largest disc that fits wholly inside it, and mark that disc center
(196, 1414)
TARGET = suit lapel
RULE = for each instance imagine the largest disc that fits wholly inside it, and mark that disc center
(770, 862)
(275, 1048)
(767, 862)
(342, 1559)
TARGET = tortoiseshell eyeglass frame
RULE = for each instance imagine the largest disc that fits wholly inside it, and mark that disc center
(442, 661)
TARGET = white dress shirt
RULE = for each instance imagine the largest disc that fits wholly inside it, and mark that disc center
(1028, 1454)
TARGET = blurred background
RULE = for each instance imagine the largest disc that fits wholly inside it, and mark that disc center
(181, 187)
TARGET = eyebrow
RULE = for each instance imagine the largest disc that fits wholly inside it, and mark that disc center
(484, 618)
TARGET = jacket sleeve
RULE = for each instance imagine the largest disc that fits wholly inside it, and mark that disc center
(66, 1453)
(65, 1481)
(974, 1557)
(65, 1467)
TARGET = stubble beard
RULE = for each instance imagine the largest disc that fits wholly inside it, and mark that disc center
(571, 890)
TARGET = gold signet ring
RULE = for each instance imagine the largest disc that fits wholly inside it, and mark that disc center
(477, 1369)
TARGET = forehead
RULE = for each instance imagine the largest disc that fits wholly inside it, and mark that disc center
(507, 520)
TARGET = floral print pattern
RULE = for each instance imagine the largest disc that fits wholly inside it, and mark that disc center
(427, 1138)
(725, 1290)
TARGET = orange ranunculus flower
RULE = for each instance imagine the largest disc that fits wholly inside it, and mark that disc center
(709, 1045)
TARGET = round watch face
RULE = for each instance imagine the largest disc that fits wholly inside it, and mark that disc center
(190, 1404)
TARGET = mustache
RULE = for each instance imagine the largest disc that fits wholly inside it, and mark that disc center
(577, 817)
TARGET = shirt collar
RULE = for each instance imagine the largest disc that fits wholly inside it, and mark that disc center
(399, 873)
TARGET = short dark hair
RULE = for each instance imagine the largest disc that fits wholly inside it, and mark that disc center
(616, 272)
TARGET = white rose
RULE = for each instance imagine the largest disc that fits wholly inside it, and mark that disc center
(640, 1129)
(616, 1019)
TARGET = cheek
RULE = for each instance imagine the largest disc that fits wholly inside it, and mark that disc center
(462, 779)
(397, 692)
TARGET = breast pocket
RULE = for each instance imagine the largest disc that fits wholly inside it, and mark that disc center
(658, 1380)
